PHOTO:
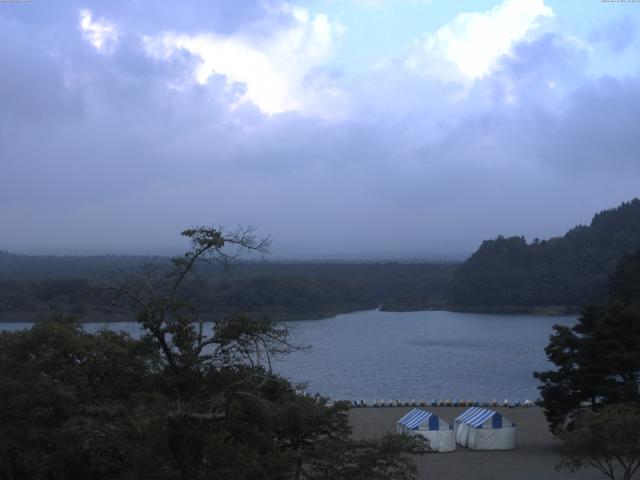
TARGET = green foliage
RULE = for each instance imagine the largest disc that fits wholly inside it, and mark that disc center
(598, 359)
(76, 405)
(607, 440)
(572, 270)
(386, 458)
(182, 402)
(625, 282)
(62, 390)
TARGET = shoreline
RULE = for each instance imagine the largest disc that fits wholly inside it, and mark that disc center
(534, 459)
(542, 311)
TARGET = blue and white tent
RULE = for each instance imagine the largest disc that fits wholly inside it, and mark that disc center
(483, 429)
(433, 428)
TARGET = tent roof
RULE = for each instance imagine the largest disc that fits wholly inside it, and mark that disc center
(415, 417)
(476, 416)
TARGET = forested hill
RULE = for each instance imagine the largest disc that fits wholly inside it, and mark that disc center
(30, 287)
(572, 270)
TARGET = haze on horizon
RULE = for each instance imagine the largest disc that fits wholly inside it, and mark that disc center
(355, 129)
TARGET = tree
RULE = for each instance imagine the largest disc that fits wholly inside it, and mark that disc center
(598, 359)
(72, 404)
(607, 440)
(156, 296)
(567, 271)
(387, 458)
(185, 401)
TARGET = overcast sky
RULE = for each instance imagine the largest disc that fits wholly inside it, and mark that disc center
(344, 128)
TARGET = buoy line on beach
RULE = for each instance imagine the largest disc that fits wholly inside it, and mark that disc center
(437, 403)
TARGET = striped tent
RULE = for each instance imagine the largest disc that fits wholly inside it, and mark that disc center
(482, 429)
(430, 426)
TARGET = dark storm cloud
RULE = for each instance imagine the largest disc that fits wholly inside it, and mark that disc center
(119, 152)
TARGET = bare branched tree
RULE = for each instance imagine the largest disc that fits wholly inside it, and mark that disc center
(189, 345)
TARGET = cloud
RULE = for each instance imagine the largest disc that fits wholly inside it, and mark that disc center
(618, 34)
(471, 45)
(228, 125)
(279, 73)
(378, 4)
(100, 33)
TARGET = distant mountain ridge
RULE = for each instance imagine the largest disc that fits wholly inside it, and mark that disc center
(572, 270)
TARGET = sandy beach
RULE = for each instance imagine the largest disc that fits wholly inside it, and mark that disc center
(535, 458)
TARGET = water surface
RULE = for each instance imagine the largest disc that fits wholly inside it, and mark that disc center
(412, 355)
(422, 355)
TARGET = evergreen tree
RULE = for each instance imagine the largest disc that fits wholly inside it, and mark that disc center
(598, 359)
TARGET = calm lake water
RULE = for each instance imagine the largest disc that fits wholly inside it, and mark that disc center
(422, 355)
(414, 355)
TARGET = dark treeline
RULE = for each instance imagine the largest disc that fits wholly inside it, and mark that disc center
(40, 267)
(30, 285)
(505, 273)
(572, 270)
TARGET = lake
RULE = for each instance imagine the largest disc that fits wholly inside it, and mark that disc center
(414, 355)
(422, 355)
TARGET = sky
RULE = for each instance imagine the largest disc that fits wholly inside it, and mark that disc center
(364, 129)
